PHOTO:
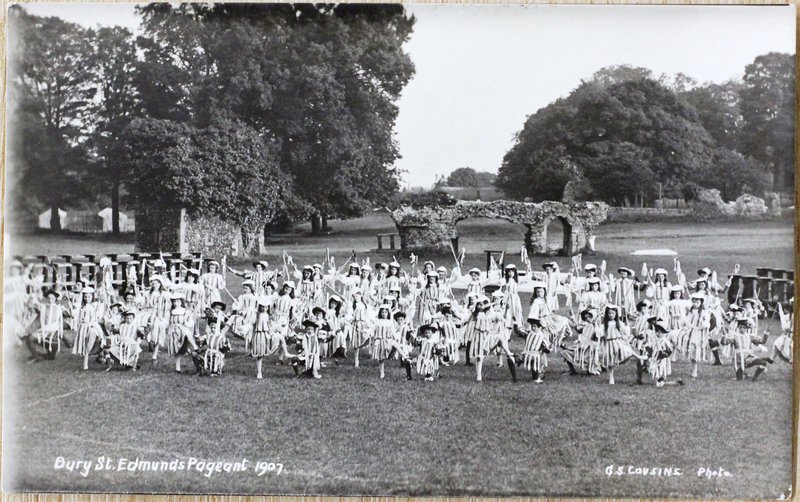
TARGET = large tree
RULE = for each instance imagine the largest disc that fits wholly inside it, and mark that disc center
(469, 177)
(226, 170)
(624, 136)
(114, 66)
(320, 81)
(52, 90)
(768, 110)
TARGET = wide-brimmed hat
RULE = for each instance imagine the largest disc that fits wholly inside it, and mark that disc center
(589, 266)
(593, 280)
(316, 310)
(704, 270)
(611, 306)
(660, 271)
(475, 270)
(249, 282)
(676, 287)
(626, 270)
(88, 290)
(550, 264)
(126, 313)
(336, 298)
(538, 284)
(50, 291)
(262, 302)
(644, 303)
(586, 312)
(263, 263)
(698, 296)
(221, 304)
(310, 323)
(442, 269)
(288, 283)
(511, 266)
(394, 264)
(212, 262)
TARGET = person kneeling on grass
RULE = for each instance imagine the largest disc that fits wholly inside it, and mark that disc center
(212, 347)
(613, 335)
(123, 347)
(537, 346)
(660, 346)
(744, 340)
(308, 341)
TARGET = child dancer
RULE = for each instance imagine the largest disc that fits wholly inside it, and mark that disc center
(537, 346)
(510, 289)
(743, 339)
(485, 340)
(213, 282)
(358, 319)
(614, 348)
(180, 330)
(695, 327)
(89, 331)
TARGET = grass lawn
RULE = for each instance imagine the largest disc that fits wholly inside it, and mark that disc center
(351, 433)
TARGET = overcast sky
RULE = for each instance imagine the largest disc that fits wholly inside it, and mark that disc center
(482, 69)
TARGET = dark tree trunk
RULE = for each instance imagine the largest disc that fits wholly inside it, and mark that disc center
(325, 226)
(55, 221)
(316, 224)
(115, 208)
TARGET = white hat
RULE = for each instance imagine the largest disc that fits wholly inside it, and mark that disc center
(386, 307)
(394, 264)
(194, 272)
(443, 300)
(249, 282)
(336, 298)
(356, 291)
(429, 263)
(431, 274)
(156, 277)
(590, 266)
(550, 264)
(88, 290)
(676, 287)
(160, 263)
(213, 262)
(263, 302)
(289, 283)
(626, 270)
(105, 261)
(698, 296)
(380, 265)
(593, 280)
(394, 287)
(661, 271)
(17, 263)
(355, 265)
(611, 306)
(441, 269)
(510, 265)
(539, 284)
(367, 268)
(177, 296)
(704, 270)
(498, 294)
(388, 298)
(474, 270)
(317, 265)
(308, 267)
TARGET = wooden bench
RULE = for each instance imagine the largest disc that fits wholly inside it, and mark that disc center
(489, 255)
(391, 241)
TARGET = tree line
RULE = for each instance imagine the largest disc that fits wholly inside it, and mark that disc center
(625, 134)
(256, 113)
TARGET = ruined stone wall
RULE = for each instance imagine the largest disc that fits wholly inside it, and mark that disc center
(709, 205)
(433, 227)
(173, 229)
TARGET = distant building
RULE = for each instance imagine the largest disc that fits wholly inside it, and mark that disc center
(125, 223)
(485, 194)
(44, 218)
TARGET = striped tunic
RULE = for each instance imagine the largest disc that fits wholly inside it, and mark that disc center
(382, 337)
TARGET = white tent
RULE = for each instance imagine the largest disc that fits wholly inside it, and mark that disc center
(105, 214)
(44, 219)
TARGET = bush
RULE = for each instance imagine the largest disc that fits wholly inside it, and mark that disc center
(427, 199)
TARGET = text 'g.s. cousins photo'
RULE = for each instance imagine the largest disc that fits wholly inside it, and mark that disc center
(387, 249)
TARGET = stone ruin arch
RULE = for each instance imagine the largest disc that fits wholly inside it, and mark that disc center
(432, 228)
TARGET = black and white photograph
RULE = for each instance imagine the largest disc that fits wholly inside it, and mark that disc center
(436, 249)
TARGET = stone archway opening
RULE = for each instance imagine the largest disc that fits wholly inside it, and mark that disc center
(557, 236)
(478, 234)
